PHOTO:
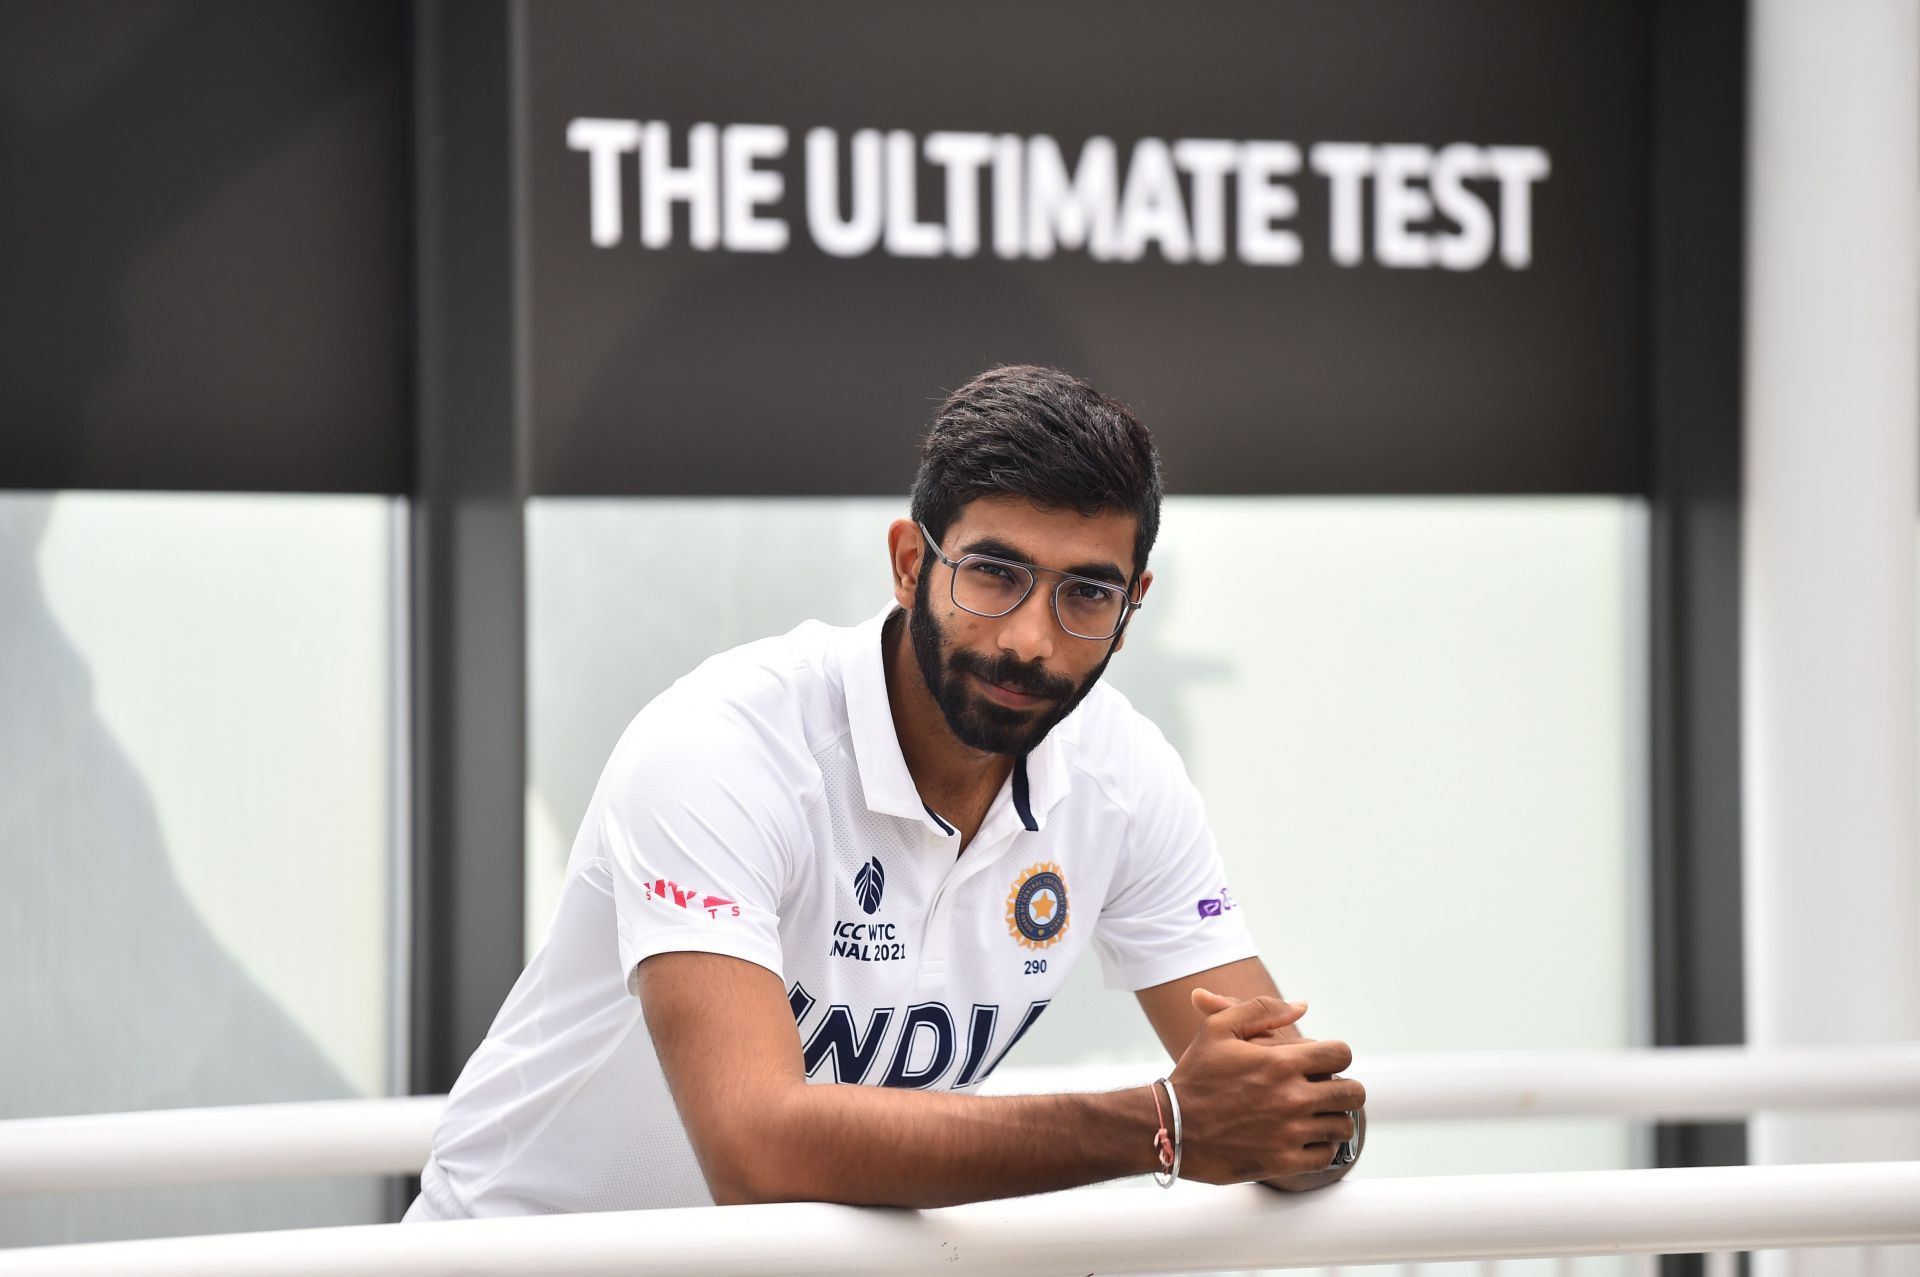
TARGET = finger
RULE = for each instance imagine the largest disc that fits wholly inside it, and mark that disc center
(1338, 1098)
(1317, 1056)
(1337, 1092)
(1342, 1093)
(1317, 1156)
(1259, 1015)
(1327, 1127)
(1207, 1002)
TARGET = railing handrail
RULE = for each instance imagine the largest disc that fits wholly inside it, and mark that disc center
(1667, 1084)
(241, 1142)
(1192, 1229)
(392, 1136)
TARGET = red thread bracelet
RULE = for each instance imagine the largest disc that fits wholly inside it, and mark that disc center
(1166, 1149)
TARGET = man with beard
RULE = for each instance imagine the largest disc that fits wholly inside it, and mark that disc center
(867, 858)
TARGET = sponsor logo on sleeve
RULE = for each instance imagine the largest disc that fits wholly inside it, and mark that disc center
(1037, 906)
(1214, 906)
(692, 899)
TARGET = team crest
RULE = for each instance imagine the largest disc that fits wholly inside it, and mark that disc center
(1037, 906)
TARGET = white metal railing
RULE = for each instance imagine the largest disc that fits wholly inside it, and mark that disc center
(217, 1145)
(1192, 1229)
(385, 1137)
(1669, 1084)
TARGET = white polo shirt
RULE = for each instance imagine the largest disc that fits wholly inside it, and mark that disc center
(761, 808)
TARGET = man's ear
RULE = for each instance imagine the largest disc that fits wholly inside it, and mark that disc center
(1139, 596)
(906, 554)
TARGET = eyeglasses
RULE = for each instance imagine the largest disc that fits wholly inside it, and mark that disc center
(990, 587)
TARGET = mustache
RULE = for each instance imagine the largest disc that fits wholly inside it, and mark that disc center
(1007, 672)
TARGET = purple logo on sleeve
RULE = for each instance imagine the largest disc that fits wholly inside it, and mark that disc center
(1214, 906)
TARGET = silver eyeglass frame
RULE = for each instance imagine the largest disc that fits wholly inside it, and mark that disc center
(1033, 570)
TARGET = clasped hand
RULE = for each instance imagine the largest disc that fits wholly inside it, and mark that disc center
(1258, 1101)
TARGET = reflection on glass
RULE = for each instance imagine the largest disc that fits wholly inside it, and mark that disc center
(194, 762)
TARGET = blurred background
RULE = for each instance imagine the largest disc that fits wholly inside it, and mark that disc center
(395, 397)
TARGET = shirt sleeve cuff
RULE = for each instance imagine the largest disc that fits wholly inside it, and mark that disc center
(1147, 972)
(748, 948)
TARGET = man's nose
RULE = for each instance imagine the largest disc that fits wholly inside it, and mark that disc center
(1027, 632)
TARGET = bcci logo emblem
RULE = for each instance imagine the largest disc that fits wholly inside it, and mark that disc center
(1037, 906)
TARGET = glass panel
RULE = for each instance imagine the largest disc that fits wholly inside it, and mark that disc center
(1416, 723)
(1421, 753)
(624, 596)
(195, 826)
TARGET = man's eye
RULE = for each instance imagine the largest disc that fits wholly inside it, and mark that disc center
(999, 572)
(1083, 592)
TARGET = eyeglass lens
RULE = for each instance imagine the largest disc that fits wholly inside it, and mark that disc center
(990, 587)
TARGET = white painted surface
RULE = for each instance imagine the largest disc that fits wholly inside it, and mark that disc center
(1832, 740)
(217, 1145)
(1191, 1229)
(368, 1137)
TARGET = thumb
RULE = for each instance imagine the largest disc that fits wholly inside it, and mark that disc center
(1259, 1015)
(1207, 1002)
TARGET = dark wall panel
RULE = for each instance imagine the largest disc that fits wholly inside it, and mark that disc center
(682, 368)
(205, 245)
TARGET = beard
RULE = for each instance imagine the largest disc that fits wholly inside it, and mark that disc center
(975, 721)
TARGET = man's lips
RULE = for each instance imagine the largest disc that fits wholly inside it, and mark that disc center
(1008, 696)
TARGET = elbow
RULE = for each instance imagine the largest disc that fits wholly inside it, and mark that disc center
(744, 1180)
(728, 1191)
(751, 1163)
(760, 1177)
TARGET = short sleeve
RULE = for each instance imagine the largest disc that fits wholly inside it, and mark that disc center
(1170, 912)
(699, 818)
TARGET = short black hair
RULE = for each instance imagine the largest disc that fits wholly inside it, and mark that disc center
(1021, 430)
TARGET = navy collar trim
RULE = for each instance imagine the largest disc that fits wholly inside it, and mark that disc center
(939, 820)
(1022, 800)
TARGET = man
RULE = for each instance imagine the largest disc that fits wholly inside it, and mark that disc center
(870, 857)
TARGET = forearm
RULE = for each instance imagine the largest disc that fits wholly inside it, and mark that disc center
(882, 1147)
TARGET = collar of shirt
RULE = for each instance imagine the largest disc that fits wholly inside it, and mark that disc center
(1040, 778)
